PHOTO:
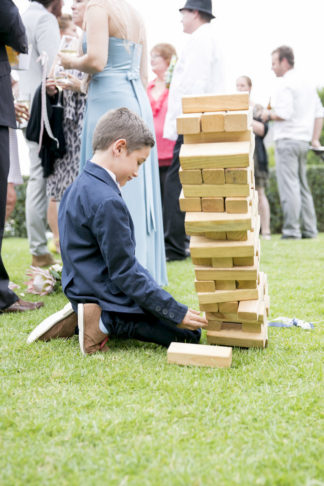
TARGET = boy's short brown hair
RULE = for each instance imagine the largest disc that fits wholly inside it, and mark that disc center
(122, 123)
(285, 52)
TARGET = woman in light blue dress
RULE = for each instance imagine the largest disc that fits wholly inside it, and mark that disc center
(118, 29)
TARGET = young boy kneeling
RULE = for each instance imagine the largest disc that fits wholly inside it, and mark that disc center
(113, 295)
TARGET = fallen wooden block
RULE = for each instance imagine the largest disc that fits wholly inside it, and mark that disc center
(216, 190)
(201, 246)
(213, 205)
(190, 123)
(213, 122)
(199, 355)
(233, 337)
(191, 176)
(236, 121)
(215, 155)
(210, 137)
(189, 204)
(215, 102)
(207, 222)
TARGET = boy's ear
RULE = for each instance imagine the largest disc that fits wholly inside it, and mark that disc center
(119, 146)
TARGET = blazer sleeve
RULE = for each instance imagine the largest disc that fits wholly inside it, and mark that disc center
(111, 225)
(12, 30)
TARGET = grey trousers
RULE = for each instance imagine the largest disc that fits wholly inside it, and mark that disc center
(36, 204)
(299, 217)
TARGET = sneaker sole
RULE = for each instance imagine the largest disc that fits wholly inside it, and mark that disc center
(81, 327)
(49, 322)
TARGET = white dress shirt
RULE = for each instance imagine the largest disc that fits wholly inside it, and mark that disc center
(199, 70)
(297, 102)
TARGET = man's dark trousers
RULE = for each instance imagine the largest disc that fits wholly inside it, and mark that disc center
(7, 297)
(147, 328)
(174, 230)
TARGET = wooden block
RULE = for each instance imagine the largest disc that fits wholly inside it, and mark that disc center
(236, 326)
(202, 261)
(213, 205)
(226, 296)
(234, 273)
(243, 261)
(213, 176)
(228, 307)
(220, 316)
(251, 327)
(246, 284)
(237, 121)
(216, 190)
(212, 122)
(215, 235)
(201, 246)
(206, 137)
(224, 285)
(248, 310)
(189, 123)
(204, 286)
(208, 222)
(238, 205)
(215, 102)
(209, 307)
(215, 155)
(237, 235)
(225, 262)
(239, 338)
(189, 204)
(199, 355)
(237, 176)
(214, 325)
(191, 176)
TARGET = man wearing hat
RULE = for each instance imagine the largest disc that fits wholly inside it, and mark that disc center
(199, 70)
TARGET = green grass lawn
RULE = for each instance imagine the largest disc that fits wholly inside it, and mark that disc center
(129, 418)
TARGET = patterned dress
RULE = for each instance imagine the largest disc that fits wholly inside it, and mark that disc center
(66, 169)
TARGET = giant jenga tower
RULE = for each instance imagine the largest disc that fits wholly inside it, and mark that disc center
(221, 205)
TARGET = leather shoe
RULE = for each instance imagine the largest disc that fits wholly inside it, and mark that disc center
(22, 306)
(91, 339)
(45, 260)
(62, 324)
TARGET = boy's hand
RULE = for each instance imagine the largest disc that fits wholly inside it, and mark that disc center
(193, 320)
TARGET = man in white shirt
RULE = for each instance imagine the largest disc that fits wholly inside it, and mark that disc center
(199, 70)
(43, 34)
(297, 113)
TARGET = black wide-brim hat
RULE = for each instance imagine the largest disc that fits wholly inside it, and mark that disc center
(200, 5)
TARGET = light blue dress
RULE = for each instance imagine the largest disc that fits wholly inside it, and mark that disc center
(119, 85)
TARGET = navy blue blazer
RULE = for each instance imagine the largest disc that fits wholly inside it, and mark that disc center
(98, 251)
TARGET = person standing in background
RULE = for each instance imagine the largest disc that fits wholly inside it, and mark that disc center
(12, 34)
(43, 34)
(261, 170)
(158, 94)
(199, 70)
(115, 53)
(297, 113)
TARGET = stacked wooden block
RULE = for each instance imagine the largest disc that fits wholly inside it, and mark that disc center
(221, 205)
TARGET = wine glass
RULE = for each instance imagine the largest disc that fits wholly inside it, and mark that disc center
(24, 99)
